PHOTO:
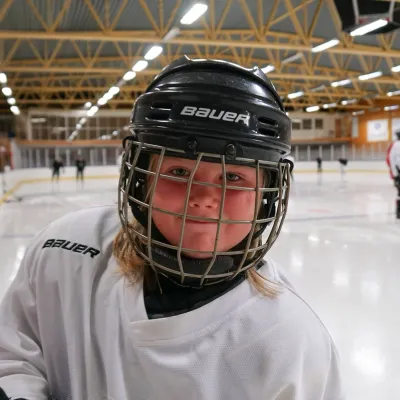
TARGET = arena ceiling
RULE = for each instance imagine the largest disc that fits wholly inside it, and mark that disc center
(64, 53)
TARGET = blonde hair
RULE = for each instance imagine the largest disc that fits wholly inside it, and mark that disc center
(127, 247)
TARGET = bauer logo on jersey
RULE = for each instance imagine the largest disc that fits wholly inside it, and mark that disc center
(69, 246)
(212, 113)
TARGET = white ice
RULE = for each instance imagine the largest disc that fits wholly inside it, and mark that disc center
(340, 245)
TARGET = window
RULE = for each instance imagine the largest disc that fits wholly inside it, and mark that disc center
(319, 124)
(296, 125)
(307, 123)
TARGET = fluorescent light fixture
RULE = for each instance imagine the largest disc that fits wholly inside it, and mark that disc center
(344, 82)
(312, 108)
(129, 76)
(140, 66)
(294, 57)
(108, 96)
(267, 69)
(115, 133)
(194, 13)
(390, 108)
(6, 91)
(362, 30)
(11, 101)
(295, 95)
(102, 101)
(350, 101)
(370, 76)
(88, 104)
(326, 45)
(358, 112)
(78, 126)
(396, 68)
(394, 93)
(93, 111)
(3, 77)
(329, 105)
(172, 33)
(15, 110)
(154, 52)
(317, 88)
(82, 121)
(113, 90)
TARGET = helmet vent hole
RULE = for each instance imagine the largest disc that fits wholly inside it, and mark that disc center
(268, 127)
(161, 105)
(159, 115)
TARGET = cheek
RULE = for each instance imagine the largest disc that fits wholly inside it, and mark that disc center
(239, 205)
(169, 195)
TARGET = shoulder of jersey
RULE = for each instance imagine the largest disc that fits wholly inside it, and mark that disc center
(85, 233)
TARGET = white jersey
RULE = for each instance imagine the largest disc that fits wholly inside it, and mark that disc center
(394, 158)
(72, 328)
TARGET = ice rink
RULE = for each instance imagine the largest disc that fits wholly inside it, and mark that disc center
(340, 246)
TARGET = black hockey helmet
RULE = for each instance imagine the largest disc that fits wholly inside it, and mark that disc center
(220, 112)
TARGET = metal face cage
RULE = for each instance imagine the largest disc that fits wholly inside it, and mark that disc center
(135, 204)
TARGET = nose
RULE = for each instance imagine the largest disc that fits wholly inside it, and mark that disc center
(204, 197)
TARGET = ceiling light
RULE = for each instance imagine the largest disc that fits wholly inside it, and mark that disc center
(154, 52)
(82, 121)
(78, 126)
(102, 101)
(295, 94)
(115, 133)
(15, 110)
(370, 76)
(317, 88)
(390, 108)
(396, 68)
(173, 32)
(6, 91)
(108, 96)
(341, 83)
(369, 27)
(268, 68)
(114, 90)
(140, 66)
(358, 112)
(129, 76)
(194, 13)
(329, 105)
(312, 108)
(11, 101)
(294, 57)
(88, 104)
(351, 101)
(326, 45)
(3, 77)
(93, 111)
(394, 93)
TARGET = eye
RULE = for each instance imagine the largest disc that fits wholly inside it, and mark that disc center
(231, 177)
(179, 172)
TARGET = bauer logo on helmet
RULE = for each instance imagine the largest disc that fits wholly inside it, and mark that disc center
(212, 113)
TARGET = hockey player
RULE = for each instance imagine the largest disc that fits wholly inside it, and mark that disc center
(394, 164)
(197, 311)
(57, 165)
(80, 166)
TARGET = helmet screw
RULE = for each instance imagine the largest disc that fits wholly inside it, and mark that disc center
(192, 144)
(230, 151)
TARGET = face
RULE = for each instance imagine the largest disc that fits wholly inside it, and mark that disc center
(204, 201)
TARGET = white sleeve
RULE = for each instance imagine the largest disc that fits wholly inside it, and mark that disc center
(22, 370)
(394, 158)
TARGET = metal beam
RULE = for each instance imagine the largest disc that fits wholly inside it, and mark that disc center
(133, 38)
